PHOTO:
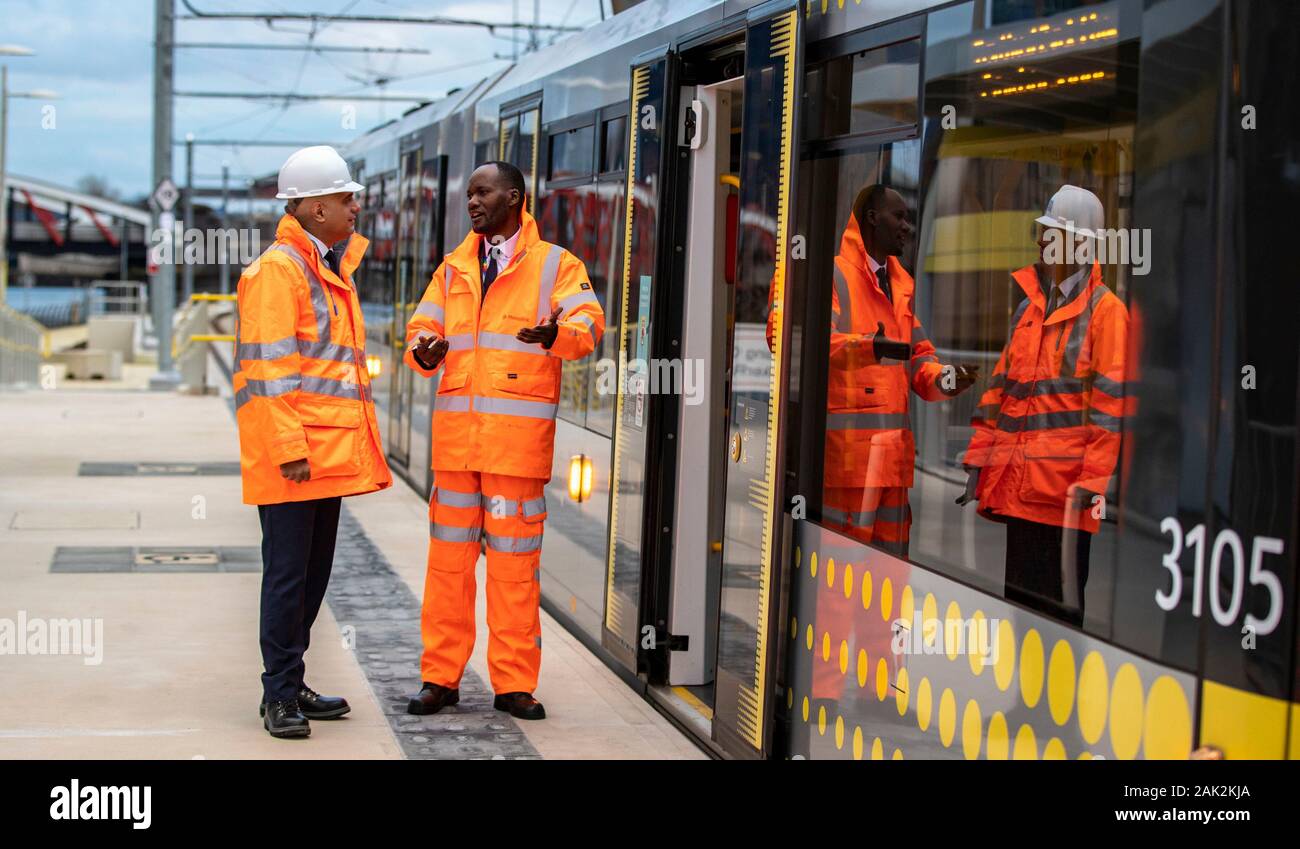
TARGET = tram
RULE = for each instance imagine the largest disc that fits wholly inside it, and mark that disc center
(703, 159)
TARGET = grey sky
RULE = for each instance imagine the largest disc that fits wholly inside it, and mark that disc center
(97, 55)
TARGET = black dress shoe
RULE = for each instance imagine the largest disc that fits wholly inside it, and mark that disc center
(520, 705)
(316, 706)
(285, 719)
(431, 699)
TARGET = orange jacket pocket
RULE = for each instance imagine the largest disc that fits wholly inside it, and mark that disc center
(536, 386)
(333, 441)
(1052, 464)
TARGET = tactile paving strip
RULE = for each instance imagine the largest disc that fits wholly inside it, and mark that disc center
(367, 596)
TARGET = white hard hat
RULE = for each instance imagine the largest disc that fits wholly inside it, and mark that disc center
(1074, 210)
(315, 172)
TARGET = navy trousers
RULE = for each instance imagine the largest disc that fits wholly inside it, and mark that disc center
(297, 557)
(1040, 559)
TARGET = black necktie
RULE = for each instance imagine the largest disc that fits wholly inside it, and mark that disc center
(882, 277)
(332, 260)
(490, 271)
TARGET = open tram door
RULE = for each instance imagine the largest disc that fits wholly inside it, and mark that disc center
(695, 515)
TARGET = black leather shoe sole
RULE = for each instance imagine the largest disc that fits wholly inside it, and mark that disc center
(530, 713)
(314, 714)
(326, 714)
(288, 733)
(419, 708)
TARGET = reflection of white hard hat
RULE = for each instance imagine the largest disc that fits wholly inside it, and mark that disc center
(314, 172)
(1074, 210)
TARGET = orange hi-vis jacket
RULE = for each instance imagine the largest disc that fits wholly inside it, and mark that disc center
(302, 389)
(497, 400)
(1053, 414)
(869, 438)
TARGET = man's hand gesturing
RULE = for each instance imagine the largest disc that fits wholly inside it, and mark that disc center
(543, 334)
(430, 351)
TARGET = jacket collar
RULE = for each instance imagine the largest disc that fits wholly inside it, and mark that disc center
(291, 233)
(854, 250)
(465, 259)
(1027, 279)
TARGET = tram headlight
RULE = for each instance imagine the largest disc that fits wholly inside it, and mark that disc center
(581, 473)
(375, 366)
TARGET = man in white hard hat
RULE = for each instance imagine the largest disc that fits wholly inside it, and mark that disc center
(307, 429)
(1048, 429)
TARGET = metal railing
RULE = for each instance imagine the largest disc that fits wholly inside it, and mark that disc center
(192, 334)
(119, 297)
(22, 345)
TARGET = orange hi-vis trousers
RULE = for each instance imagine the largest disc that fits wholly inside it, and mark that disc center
(509, 513)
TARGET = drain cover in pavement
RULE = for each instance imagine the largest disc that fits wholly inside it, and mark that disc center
(221, 558)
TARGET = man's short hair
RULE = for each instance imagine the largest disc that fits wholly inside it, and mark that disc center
(513, 177)
(870, 197)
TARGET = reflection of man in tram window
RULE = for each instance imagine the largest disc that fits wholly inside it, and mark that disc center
(878, 351)
(1047, 431)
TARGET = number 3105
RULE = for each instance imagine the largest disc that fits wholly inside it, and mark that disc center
(1225, 544)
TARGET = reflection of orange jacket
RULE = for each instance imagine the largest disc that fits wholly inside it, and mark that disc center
(497, 401)
(1053, 414)
(302, 390)
(869, 438)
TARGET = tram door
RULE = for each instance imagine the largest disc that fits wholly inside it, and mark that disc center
(697, 438)
(406, 295)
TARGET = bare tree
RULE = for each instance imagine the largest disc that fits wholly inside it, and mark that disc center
(96, 186)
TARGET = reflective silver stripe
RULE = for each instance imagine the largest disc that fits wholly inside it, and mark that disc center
(514, 545)
(845, 320)
(327, 351)
(432, 311)
(867, 421)
(512, 407)
(274, 388)
(1011, 331)
(588, 323)
(333, 388)
(535, 507)
(1070, 363)
(1114, 424)
(928, 358)
(452, 533)
(574, 301)
(506, 342)
(1041, 421)
(242, 397)
(1113, 388)
(550, 273)
(987, 411)
(451, 404)
(866, 518)
(268, 350)
(460, 342)
(998, 381)
(451, 498)
(918, 335)
(446, 283)
(1053, 386)
(319, 300)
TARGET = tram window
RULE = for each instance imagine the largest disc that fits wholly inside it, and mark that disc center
(1038, 435)
(510, 140)
(572, 152)
(867, 92)
(614, 145)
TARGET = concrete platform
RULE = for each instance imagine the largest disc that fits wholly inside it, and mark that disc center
(175, 674)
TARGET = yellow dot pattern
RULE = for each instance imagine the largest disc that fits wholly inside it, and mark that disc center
(1031, 668)
(1154, 723)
